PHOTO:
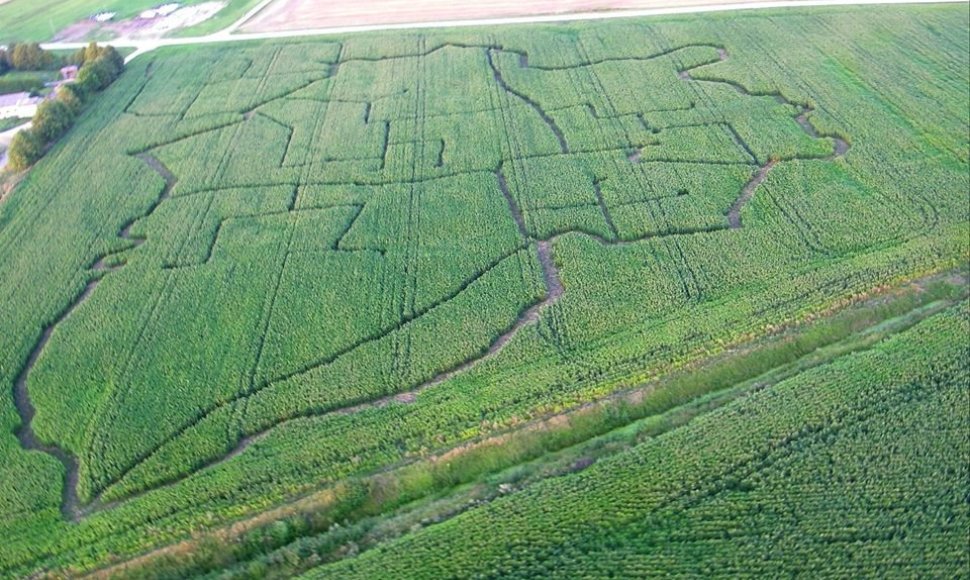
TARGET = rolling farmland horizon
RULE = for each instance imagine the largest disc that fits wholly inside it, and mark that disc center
(675, 295)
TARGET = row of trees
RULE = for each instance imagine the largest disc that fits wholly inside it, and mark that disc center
(100, 66)
(26, 56)
(29, 56)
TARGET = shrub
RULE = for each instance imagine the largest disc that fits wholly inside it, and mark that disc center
(97, 73)
(93, 53)
(92, 78)
(102, 65)
(25, 149)
(17, 84)
(53, 119)
(70, 96)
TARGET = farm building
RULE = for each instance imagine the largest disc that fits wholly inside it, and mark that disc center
(18, 105)
(69, 73)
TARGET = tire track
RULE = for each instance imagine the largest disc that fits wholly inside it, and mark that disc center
(554, 291)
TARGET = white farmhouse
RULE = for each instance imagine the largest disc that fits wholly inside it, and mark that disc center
(18, 105)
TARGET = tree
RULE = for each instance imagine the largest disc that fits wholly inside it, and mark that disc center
(7, 55)
(115, 59)
(52, 119)
(91, 52)
(93, 77)
(25, 149)
(106, 71)
(70, 96)
(30, 56)
(106, 54)
(77, 58)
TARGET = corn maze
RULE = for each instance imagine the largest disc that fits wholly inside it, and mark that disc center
(254, 271)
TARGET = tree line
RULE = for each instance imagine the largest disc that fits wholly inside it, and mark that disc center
(99, 67)
(26, 56)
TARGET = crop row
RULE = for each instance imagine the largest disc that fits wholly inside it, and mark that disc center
(344, 223)
(816, 476)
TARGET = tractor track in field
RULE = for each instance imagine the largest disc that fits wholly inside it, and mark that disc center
(554, 288)
(634, 395)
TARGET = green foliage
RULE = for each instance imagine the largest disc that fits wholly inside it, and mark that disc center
(848, 469)
(114, 63)
(25, 56)
(26, 148)
(70, 96)
(11, 122)
(53, 119)
(277, 267)
(27, 82)
(100, 66)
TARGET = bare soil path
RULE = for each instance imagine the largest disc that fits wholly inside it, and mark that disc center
(861, 339)
(840, 145)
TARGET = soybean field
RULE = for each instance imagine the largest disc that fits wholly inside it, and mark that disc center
(275, 307)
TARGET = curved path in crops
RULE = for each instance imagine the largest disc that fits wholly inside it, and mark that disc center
(229, 34)
(841, 145)
(543, 247)
(70, 506)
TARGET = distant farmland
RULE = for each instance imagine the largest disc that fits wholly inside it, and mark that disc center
(44, 20)
(306, 14)
(644, 274)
